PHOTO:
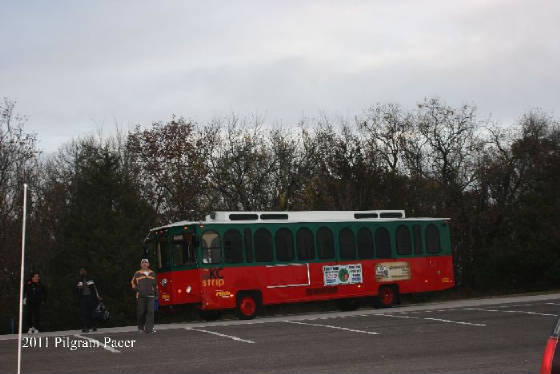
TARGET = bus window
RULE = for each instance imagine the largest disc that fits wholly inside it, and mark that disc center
(305, 245)
(347, 244)
(325, 243)
(284, 245)
(162, 253)
(211, 248)
(233, 247)
(183, 250)
(383, 243)
(417, 239)
(263, 245)
(248, 245)
(365, 243)
(404, 246)
(177, 250)
(432, 239)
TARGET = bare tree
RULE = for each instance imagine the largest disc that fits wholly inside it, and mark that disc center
(388, 128)
(452, 140)
(241, 167)
(169, 161)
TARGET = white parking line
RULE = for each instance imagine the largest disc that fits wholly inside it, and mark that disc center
(395, 316)
(552, 304)
(98, 343)
(431, 319)
(513, 311)
(514, 305)
(237, 339)
(457, 322)
(333, 327)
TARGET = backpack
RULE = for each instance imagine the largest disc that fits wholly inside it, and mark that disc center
(101, 313)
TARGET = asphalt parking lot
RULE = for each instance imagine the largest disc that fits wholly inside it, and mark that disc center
(471, 336)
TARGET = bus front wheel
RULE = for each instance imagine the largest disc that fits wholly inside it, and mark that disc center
(247, 306)
(387, 296)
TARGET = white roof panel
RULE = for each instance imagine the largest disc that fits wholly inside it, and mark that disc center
(233, 217)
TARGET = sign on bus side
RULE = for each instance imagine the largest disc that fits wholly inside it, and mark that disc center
(392, 271)
(213, 277)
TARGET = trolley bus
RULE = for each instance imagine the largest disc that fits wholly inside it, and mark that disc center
(245, 260)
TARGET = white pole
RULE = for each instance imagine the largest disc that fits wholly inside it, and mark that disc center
(22, 275)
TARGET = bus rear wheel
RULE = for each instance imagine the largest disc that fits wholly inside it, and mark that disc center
(387, 296)
(247, 306)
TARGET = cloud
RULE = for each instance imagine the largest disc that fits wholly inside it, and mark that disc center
(74, 68)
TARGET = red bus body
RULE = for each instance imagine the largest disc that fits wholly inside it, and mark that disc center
(215, 288)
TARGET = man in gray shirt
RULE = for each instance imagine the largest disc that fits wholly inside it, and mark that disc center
(145, 283)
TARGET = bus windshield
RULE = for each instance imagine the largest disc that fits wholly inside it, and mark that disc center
(184, 250)
(162, 252)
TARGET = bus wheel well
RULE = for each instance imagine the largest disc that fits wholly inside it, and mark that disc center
(388, 295)
(248, 303)
(394, 286)
(257, 295)
(397, 292)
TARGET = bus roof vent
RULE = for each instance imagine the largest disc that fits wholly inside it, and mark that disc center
(243, 217)
(365, 215)
(278, 216)
(391, 214)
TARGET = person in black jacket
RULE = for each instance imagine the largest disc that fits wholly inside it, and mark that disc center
(34, 294)
(88, 295)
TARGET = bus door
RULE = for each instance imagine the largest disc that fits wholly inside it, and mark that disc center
(183, 284)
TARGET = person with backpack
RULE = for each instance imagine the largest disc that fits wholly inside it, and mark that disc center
(89, 298)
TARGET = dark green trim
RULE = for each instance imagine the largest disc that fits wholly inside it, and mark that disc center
(391, 226)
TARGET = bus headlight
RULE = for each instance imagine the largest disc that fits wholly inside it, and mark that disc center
(189, 289)
(163, 282)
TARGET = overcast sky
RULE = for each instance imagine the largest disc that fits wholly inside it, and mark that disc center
(75, 67)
